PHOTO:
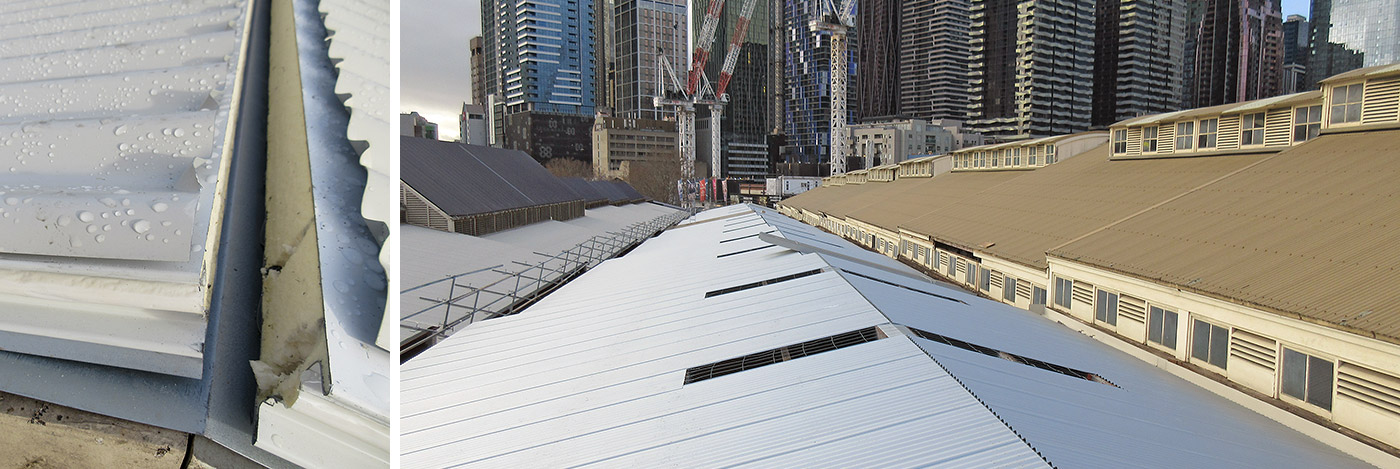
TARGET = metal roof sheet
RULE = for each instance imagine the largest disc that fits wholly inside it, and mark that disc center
(1310, 231)
(115, 123)
(464, 179)
(431, 255)
(594, 373)
(1021, 218)
(342, 418)
(1058, 414)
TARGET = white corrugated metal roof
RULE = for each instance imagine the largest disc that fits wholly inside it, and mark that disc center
(342, 417)
(114, 119)
(594, 373)
(431, 255)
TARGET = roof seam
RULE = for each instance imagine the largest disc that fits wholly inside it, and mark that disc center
(1166, 201)
(980, 401)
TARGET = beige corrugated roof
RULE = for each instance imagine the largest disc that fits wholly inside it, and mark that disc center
(1368, 72)
(890, 204)
(1312, 231)
(1023, 217)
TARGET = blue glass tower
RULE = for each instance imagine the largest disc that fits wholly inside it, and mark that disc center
(546, 54)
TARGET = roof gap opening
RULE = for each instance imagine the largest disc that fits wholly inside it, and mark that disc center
(745, 237)
(935, 295)
(746, 250)
(726, 291)
(782, 354)
(1024, 360)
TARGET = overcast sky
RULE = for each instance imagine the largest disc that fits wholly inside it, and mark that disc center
(435, 62)
(434, 59)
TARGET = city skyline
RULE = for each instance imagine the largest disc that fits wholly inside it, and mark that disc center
(436, 79)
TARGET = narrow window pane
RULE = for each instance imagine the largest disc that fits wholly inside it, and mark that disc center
(1154, 324)
(1100, 301)
(1295, 373)
(1200, 341)
(1219, 346)
(1169, 330)
(1320, 382)
(1111, 312)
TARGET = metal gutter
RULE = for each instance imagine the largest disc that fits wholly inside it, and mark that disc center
(329, 404)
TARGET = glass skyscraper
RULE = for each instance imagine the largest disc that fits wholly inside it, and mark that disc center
(1350, 34)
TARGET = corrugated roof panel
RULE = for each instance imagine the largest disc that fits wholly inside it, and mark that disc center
(1321, 246)
(431, 255)
(114, 117)
(466, 179)
(1023, 217)
(594, 374)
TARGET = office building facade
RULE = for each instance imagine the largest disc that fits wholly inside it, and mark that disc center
(878, 84)
(807, 84)
(933, 59)
(1137, 59)
(1032, 67)
(478, 65)
(540, 68)
(641, 32)
(1238, 52)
(1351, 34)
(746, 121)
(1296, 48)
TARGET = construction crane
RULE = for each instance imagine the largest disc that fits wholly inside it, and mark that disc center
(726, 73)
(697, 90)
(837, 23)
(684, 104)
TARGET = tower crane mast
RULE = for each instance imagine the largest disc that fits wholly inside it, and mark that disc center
(837, 23)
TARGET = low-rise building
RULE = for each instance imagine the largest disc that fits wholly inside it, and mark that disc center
(472, 124)
(415, 125)
(882, 143)
(618, 141)
(1248, 243)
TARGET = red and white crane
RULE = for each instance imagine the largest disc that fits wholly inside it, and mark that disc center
(697, 90)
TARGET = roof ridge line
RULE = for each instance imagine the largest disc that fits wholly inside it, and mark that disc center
(1165, 201)
(493, 171)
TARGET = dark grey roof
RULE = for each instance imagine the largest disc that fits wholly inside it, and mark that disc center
(466, 179)
(629, 192)
(586, 189)
(613, 192)
(617, 192)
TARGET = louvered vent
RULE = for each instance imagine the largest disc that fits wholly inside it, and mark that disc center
(416, 211)
(962, 266)
(996, 279)
(1167, 143)
(1229, 137)
(1380, 391)
(1381, 102)
(1023, 289)
(1278, 126)
(1254, 348)
(1135, 141)
(781, 354)
(1083, 293)
(1132, 308)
